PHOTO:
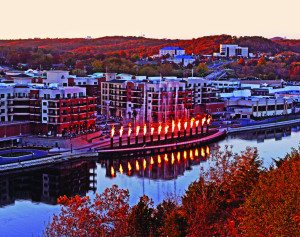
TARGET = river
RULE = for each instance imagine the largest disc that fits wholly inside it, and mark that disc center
(28, 198)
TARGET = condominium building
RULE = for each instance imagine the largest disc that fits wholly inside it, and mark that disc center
(147, 100)
(52, 107)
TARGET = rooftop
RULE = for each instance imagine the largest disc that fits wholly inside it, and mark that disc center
(171, 48)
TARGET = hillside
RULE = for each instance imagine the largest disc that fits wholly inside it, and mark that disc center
(145, 46)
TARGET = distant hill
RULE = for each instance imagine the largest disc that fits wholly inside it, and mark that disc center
(147, 46)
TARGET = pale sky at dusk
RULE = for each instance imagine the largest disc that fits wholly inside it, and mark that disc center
(154, 18)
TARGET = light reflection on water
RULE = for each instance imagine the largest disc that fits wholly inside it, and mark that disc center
(157, 176)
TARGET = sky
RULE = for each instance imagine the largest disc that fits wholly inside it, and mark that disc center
(175, 19)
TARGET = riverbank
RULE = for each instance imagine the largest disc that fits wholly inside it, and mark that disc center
(263, 126)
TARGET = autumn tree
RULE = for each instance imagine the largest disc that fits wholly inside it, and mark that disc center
(273, 207)
(140, 219)
(202, 69)
(241, 61)
(79, 216)
(212, 202)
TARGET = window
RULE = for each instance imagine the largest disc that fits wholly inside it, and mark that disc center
(2, 110)
(57, 96)
(44, 111)
(65, 84)
(45, 103)
(44, 118)
(2, 95)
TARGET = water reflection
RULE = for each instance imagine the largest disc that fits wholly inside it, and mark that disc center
(164, 166)
(47, 184)
(262, 135)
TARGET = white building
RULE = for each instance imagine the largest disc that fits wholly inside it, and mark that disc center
(184, 59)
(232, 50)
(172, 51)
(259, 107)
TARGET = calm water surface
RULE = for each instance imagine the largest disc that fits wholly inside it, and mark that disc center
(27, 198)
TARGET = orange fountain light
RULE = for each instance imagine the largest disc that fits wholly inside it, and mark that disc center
(166, 158)
(196, 152)
(192, 122)
(178, 156)
(166, 129)
(152, 130)
(173, 126)
(203, 121)
(158, 159)
(207, 150)
(137, 130)
(112, 132)
(151, 161)
(179, 125)
(184, 155)
(209, 120)
(202, 152)
(159, 129)
(112, 171)
(121, 131)
(197, 123)
(129, 166)
(185, 125)
(137, 165)
(173, 158)
(121, 169)
(129, 130)
(145, 129)
(144, 164)
(191, 155)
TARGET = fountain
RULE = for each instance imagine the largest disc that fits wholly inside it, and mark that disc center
(185, 127)
(179, 127)
(166, 131)
(191, 126)
(202, 124)
(137, 130)
(112, 133)
(121, 134)
(159, 131)
(197, 124)
(151, 133)
(145, 133)
(173, 128)
(129, 133)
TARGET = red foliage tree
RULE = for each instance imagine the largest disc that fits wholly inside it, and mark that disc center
(107, 216)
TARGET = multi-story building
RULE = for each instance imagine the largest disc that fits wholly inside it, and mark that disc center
(146, 100)
(52, 108)
(259, 107)
(232, 50)
(172, 51)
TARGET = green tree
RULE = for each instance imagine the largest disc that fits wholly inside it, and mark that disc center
(202, 69)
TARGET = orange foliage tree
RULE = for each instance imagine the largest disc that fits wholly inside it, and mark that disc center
(106, 216)
(273, 207)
